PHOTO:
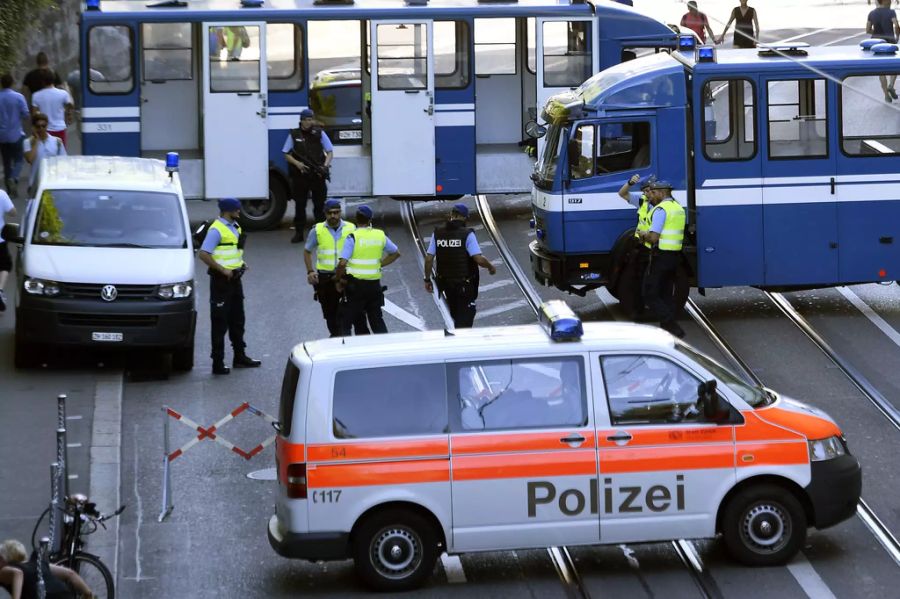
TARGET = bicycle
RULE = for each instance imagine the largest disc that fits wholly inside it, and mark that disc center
(81, 518)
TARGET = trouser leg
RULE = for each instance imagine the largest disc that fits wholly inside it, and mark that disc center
(352, 307)
(374, 300)
(319, 191)
(300, 193)
(6, 151)
(236, 317)
(466, 318)
(218, 314)
(657, 281)
(18, 158)
(329, 299)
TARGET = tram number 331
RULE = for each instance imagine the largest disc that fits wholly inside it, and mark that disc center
(326, 496)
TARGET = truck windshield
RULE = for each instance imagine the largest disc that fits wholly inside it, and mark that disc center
(754, 395)
(545, 169)
(91, 218)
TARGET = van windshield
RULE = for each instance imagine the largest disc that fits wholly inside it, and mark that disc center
(91, 218)
(754, 395)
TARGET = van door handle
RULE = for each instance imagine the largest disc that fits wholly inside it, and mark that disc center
(245, 93)
(619, 437)
(573, 439)
(832, 186)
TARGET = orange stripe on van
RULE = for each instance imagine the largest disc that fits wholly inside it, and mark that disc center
(814, 426)
(374, 450)
(287, 453)
(521, 465)
(791, 453)
(667, 436)
(755, 428)
(378, 473)
(477, 443)
(655, 459)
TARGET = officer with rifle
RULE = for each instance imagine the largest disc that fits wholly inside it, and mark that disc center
(308, 152)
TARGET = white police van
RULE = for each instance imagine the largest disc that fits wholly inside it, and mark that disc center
(393, 448)
(105, 259)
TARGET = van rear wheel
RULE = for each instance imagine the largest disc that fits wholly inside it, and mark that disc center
(764, 525)
(395, 550)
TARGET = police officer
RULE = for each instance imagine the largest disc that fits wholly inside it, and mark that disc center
(458, 257)
(362, 259)
(634, 261)
(308, 152)
(665, 236)
(223, 252)
(328, 242)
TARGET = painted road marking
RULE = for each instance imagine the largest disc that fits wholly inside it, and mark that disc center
(76, 417)
(501, 309)
(495, 285)
(402, 315)
(73, 445)
(869, 313)
(808, 579)
(106, 457)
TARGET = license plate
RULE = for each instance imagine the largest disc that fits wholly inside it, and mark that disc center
(106, 337)
(350, 134)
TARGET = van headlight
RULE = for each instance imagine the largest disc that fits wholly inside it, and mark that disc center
(826, 449)
(41, 287)
(175, 290)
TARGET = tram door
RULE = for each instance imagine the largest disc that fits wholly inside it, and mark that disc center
(402, 66)
(235, 101)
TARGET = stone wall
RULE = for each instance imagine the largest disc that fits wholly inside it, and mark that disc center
(57, 35)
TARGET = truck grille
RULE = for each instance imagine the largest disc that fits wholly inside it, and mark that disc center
(108, 320)
(92, 291)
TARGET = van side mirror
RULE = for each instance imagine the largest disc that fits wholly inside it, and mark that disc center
(708, 397)
(532, 129)
(10, 233)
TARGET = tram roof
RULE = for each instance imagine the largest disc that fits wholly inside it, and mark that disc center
(198, 10)
(850, 57)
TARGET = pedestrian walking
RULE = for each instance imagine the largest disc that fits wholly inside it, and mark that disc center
(458, 258)
(39, 146)
(882, 23)
(56, 104)
(746, 26)
(697, 22)
(6, 209)
(34, 79)
(222, 251)
(328, 243)
(13, 113)
(308, 152)
(665, 236)
(366, 251)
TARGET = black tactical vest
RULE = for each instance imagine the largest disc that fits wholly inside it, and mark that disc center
(453, 262)
(308, 145)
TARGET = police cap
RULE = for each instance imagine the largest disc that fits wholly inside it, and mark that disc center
(461, 209)
(661, 185)
(332, 204)
(306, 113)
(229, 205)
(365, 211)
(648, 182)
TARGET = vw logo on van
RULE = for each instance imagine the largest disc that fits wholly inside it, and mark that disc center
(109, 293)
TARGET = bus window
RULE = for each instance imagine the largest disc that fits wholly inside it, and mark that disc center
(110, 50)
(729, 132)
(798, 122)
(235, 66)
(284, 60)
(530, 27)
(582, 152)
(567, 55)
(402, 56)
(495, 46)
(451, 54)
(335, 82)
(623, 146)
(869, 125)
(166, 52)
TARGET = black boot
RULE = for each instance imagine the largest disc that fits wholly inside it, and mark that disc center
(220, 368)
(298, 236)
(245, 361)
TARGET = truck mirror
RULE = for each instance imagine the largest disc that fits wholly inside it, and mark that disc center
(532, 129)
(708, 397)
(10, 233)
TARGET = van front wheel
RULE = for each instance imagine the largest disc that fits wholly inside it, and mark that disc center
(395, 550)
(764, 525)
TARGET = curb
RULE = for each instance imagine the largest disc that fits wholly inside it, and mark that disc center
(106, 457)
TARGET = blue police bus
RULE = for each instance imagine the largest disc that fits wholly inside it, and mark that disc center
(786, 158)
(427, 98)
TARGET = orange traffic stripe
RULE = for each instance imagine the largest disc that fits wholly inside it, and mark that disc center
(349, 451)
(755, 428)
(814, 426)
(378, 473)
(658, 459)
(481, 443)
(572, 462)
(788, 453)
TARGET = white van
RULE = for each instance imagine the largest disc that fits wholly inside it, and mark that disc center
(106, 259)
(393, 448)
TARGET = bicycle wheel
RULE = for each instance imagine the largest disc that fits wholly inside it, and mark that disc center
(94, 573)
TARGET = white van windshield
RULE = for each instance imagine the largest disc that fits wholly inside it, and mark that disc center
(756, 396)
(91, 218)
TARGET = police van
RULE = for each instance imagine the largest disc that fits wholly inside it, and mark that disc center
(105, 259)
(393, 448)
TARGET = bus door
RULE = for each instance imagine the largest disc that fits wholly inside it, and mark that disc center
(402, 120)
(567, 53)
(727, 182)
(235, 105)
(799, 202)
(169, 92)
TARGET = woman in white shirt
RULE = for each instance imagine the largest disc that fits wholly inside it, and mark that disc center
(39, 146)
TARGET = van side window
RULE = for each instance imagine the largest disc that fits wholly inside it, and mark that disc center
(868, 124)
(390, 401)
(508, 394)
(649, 390)
(288, 393)
(729, 130)
(798, 119)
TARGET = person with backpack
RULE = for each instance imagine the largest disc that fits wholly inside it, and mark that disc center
(20, 577)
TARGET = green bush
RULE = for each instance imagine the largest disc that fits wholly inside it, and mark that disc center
(16, 17)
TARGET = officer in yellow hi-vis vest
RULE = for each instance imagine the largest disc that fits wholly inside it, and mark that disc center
(223, 252)
(327, 241)
(665, 237)
(634, 261)
(366, 251)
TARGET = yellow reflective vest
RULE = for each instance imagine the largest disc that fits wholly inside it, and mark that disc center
(328, 249)
(227, 254)
(368, 248)
(672, 235)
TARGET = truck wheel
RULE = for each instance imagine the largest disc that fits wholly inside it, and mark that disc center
(395, 550)
(183, 358)
(764, 525)
(265, 214)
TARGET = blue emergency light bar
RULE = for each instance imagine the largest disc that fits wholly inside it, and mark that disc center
(706, 54)
(172, 162)
(251, 3)
(92, 5)
(687, 42)
(867, 44)
(884, 48)
(559, 321)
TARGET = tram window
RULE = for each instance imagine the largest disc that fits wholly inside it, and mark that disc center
(495, 47)
(623, 146)
(797, 119)
(284, 62)
(530, 44)
(567, 53)
(729, 130)
(402, 56)
(451, 54)
(234, 59)
(582, 152)
(869, 125)
(110, 48)
(166, 52)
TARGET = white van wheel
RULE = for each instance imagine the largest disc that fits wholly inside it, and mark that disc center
(395, 550)
(764, 525)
